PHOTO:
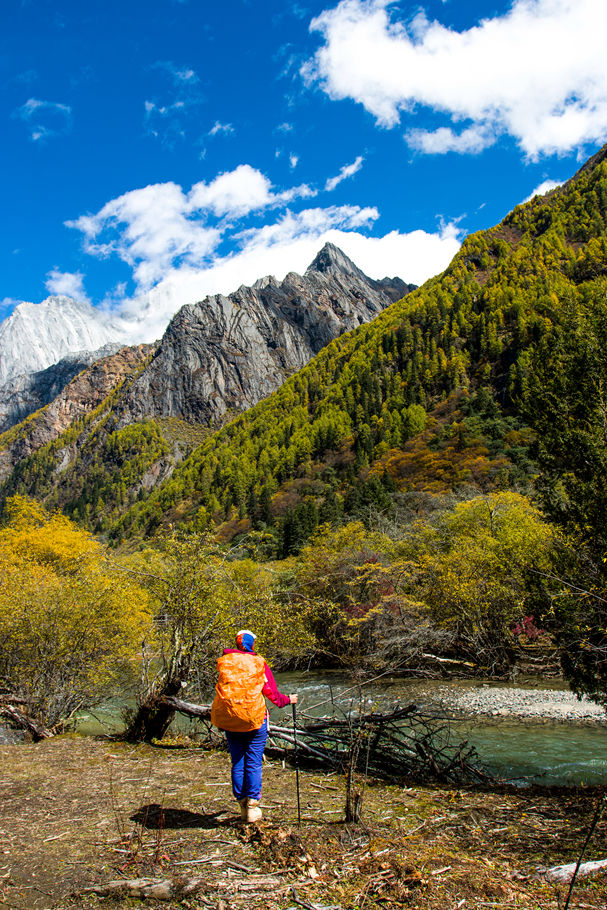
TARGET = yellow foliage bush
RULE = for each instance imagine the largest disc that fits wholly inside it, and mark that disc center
(70, 623)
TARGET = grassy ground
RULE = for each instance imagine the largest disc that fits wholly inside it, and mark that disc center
(78, 811)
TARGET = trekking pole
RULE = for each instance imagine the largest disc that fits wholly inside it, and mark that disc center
(296, 763)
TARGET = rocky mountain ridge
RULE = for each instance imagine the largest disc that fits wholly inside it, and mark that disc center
(226, 353)
(28, 392)
(120, 426)
(76, 400)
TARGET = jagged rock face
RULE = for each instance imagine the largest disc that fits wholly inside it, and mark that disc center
(79, 397)
(22, 395)
(37, 335)
(227, 353)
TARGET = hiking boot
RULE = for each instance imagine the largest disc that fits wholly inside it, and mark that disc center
(253, 810)
(243, 809)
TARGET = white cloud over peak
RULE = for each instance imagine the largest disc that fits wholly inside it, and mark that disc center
(175, 242)
(66, 284)
(154, 227)
(538, 73)
(45, 118)
(348, 170)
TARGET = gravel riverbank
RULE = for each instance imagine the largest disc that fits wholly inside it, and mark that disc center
(536, 704)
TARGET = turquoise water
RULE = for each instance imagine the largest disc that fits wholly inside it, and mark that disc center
(548, 754)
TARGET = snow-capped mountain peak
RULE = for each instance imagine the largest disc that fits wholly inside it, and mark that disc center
(37, 335)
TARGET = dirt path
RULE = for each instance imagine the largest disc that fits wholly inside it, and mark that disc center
(76, 811)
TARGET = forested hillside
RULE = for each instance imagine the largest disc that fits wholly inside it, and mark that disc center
(445, 388)
(110, 437)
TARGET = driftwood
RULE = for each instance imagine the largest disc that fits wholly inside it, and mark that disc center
(178, 888)
(406, 743)
(565, 873)
(20, 720)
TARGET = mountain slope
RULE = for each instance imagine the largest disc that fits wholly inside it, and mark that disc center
(224, 354)
(28, 392)
(35, 336)
(76, 401)
(453, 359)
(216, 356)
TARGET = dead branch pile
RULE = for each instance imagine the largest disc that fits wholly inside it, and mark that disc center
(403, 744)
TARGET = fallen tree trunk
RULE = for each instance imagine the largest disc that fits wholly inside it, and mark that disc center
(187, 707)
(23, 722)
(154, 715)
(564, 873)
(406, 743)
(177, 889)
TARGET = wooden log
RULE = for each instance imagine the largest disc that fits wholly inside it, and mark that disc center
(178, 888)
(187, 707)
(23, 722)
(564, 873)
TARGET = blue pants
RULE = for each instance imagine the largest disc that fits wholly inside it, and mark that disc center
(246, 750)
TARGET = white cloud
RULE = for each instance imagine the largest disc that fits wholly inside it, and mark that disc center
(165, 115)
(538, 72)
(293, 161)
(66, 284)
(234, 193)
(45, 118)
(348, 170)
(437, 142)
(543, 188)
(221, 128)
(238, 192)
(154, 227)
(149, 229)
(180, 74)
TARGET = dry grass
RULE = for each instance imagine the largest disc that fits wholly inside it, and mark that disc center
(77, 811)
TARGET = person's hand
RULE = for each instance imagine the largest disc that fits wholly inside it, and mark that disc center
(292, 699)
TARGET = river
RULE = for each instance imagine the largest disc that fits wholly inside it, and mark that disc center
(530, 750)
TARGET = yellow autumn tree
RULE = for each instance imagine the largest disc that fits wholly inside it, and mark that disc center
(483, 568)
(70, 625)
(202, 594)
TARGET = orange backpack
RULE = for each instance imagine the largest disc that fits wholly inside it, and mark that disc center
(239, 705)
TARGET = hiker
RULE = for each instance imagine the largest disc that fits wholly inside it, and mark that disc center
(240, 711)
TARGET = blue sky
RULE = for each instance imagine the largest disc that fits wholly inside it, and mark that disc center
(154, 152)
